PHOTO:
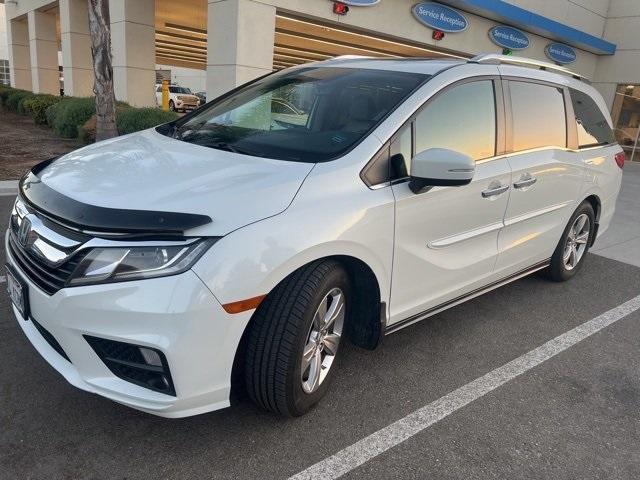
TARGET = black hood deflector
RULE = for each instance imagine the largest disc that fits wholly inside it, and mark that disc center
(101, 219)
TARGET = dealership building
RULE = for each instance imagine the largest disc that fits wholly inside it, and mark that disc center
(215, 45)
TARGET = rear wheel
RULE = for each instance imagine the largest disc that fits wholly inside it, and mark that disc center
(295, 339)
(574, 244)
(172, 106)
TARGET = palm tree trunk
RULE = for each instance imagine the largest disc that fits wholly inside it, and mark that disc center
(100, 30)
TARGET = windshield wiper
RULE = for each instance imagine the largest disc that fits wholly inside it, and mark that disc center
(223, 146)
(231, 148)
(180, 131)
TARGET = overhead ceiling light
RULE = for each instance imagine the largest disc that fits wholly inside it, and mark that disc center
(180, 49)
(172, 35)
(283, 55)
(184, 28)
(181, 54)
(365, 36)
(176, 57)
(196, 48)
(336, 44)
(301, 52)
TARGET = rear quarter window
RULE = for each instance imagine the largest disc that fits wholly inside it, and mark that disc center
(593, 128)
(539, 118)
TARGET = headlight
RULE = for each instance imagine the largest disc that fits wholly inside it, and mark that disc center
(117, 264)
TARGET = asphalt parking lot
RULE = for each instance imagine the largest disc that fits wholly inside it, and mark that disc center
(575, 415)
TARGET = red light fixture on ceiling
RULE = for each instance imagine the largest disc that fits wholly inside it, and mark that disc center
(340, 8)
(437, 35)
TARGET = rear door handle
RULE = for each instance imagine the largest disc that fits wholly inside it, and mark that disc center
(492, 192)
(525, 181)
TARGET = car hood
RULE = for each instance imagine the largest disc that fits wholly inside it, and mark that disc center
(150, 171)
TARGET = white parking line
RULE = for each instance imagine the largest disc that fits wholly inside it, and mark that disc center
(379, 442)
(3, 279)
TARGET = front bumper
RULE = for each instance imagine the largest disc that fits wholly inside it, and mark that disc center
(181, 104)
(177, 315)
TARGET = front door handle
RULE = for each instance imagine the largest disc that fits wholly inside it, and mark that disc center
(493, 191)
(525, 181)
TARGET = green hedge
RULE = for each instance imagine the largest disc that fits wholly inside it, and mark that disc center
(51, 112)
(135, 119)
(22, 109)
(69, 114)
(15, 98)
(37, 105)
(4, 93)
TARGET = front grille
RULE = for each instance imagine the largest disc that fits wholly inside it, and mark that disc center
(49, 279)
(126, 361)
(50, 340)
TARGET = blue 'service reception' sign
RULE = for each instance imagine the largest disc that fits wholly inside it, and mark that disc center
(558, 52)
(440, 17)
(509, 37)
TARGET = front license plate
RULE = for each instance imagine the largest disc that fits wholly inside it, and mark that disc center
(18, 293)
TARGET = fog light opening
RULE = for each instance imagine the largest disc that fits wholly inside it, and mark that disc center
(143, 366)
(151, 357)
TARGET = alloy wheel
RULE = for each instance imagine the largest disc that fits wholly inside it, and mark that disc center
(323, 340)
(577, 240)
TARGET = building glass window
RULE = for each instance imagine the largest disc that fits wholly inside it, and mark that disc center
(539, 118)
(5, 78)
(626, 118)
(462, 118)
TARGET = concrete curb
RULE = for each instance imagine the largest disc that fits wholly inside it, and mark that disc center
(8, 187)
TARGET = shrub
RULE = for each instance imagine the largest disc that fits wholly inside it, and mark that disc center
(37, 105)
(131, 120)
(50, 113)
(15, 98)
(22, 110)
(5, 90)
(69, 114)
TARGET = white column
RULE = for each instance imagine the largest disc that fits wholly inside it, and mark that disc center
(241, 34)
(133, 47)
(76, 48)
(43, 45)
(19, 56)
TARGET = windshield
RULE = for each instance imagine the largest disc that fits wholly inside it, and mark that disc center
(307, 115)
(179, 90)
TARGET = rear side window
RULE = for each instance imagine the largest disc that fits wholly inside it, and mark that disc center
(462, 118)
(593, 128)
(539, 118)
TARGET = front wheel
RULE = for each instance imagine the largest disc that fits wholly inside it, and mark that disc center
(172, 106)
(574, 244)
(295, 339)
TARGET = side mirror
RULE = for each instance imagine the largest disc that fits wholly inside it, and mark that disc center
(440, 167)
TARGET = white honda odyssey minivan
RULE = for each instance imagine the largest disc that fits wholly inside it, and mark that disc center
(237, 248)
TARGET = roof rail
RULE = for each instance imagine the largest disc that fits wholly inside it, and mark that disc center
(352, 57)
(497, 59)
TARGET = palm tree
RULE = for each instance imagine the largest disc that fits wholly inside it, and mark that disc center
(100, 29)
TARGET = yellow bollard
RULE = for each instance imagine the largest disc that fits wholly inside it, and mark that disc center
(165, 95)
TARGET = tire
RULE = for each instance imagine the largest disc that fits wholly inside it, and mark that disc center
(284, 328)
(560, 269)
(172, 106)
